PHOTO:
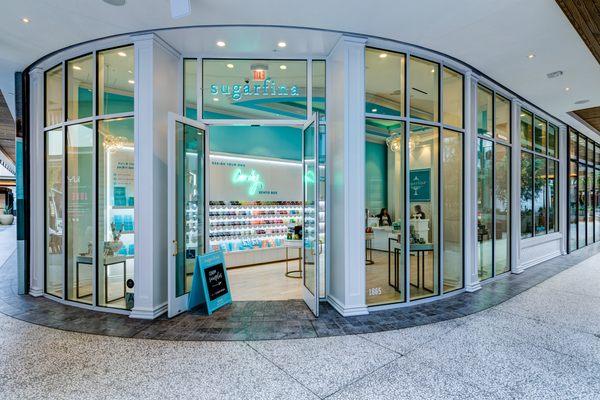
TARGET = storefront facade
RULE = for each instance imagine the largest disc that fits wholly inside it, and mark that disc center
(424, 177)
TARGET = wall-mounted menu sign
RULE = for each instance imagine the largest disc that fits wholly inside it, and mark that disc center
(210, 284)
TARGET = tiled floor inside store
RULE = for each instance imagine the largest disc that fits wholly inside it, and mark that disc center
(246, 320)
(540, 343)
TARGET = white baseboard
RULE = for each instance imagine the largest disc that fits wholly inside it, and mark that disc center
(538, 260)
(347, 311)
(139, 313)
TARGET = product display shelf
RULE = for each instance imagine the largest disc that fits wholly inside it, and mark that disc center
(242, 226)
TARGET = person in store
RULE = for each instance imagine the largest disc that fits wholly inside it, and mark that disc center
(418, 214)
(384, 218)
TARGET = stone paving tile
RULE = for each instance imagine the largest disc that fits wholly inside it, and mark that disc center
(325, 365)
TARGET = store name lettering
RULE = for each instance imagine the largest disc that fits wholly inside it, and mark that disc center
(268, 88)
(253, 180)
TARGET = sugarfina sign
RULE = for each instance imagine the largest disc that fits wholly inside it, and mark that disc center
(268, 88)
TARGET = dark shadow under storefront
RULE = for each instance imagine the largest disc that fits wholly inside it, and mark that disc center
(271, 319)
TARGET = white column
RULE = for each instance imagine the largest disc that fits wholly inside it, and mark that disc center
(156, 74)
(345, 152)
(515, 252)
(36, 184)
(472, 283)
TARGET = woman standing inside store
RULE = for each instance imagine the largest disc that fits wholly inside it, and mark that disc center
(384, 218)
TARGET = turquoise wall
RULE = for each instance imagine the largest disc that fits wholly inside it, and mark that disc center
(375, 176)
(262, 141)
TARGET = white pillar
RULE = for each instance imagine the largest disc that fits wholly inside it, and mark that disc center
(36, 184)
(472, 283)
(515, 258)
(156, 76)
(345, 152)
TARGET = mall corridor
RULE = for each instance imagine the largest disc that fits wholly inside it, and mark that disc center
(543, 343)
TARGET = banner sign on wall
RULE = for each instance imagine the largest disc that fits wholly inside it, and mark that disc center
(210, 284)
(420, 185)
(249, 179)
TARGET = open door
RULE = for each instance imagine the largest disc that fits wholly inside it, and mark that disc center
(187, 194)
(312, 247)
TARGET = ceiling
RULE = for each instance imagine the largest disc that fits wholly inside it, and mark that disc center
(493, 36)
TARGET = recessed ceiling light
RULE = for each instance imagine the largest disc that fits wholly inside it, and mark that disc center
(115, 2)
(215, 99)
(122, 54)
(131, 81)
(25, 20)
(531, 56)
(283, 67)
(522, 115)
(220, 43)
(433, 70)
(229, 65)
(76, 67)
(282, 44)
(373, 110)
(383, 55)
(129, 71)
(567, 89)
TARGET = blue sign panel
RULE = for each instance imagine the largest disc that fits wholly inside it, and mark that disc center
(210, 284)
(420, 185)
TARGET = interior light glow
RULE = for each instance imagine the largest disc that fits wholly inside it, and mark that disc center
(567, 89)
(131, 81)
(295, 163)
(122, 54)
(283, 67)
(373, 110)
(282, 44)
(220, 43)
(76, 67)
(383, 55)
(531, 56)
(229, 65)
(25, 20)
(215, 99)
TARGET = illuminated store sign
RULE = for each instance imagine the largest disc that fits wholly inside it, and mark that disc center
(253, 179)
(267, 88)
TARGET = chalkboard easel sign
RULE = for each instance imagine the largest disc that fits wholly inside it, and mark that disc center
(210, 284)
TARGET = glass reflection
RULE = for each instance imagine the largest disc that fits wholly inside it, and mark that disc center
(502, 116)
(484, 111)
(54, 96)
(115, 80)
(502, 203)
(80, 78)
(539, 196)
(526, 195)
(424, 89)
(54, 212)
(485, 204)
(526, 129)
(384, 82)
(453, 98)
(190, 97)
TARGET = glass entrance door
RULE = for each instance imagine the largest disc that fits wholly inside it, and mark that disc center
(187, 145)
(312, 246)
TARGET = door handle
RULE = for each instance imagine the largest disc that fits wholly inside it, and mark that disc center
(175, 248)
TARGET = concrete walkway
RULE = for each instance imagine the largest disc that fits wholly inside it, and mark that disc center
(543, 343)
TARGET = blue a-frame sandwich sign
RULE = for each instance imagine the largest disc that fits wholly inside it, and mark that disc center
(210, 284)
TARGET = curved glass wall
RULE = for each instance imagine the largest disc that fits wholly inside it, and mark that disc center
(90, 229)
(414, 179)
(584, 191)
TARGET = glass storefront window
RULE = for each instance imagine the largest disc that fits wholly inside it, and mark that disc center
(582, 205)
(485, 204)
(384, 82)
(590, 205)
(254, 89)
(318, 87)
(552, 196)
(573, 143)
(452, 199)
(452, 97)
(582, 149)
(80, 78)
(502, 118)
(190, 96)
(502, 213)
(540, 135)
(423, 235)
(526, 195)
(116, 80)
(573, 200)
(80, 212)
(526, 129)
(54, 96)
(116, 200)
(384, 196)
(485, 111)
(540, 208)
(424, 89)
(54, 212)
(553, 143)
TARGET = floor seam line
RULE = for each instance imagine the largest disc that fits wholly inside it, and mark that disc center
(281, 369)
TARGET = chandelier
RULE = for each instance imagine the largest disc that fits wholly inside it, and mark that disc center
(394, 142)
